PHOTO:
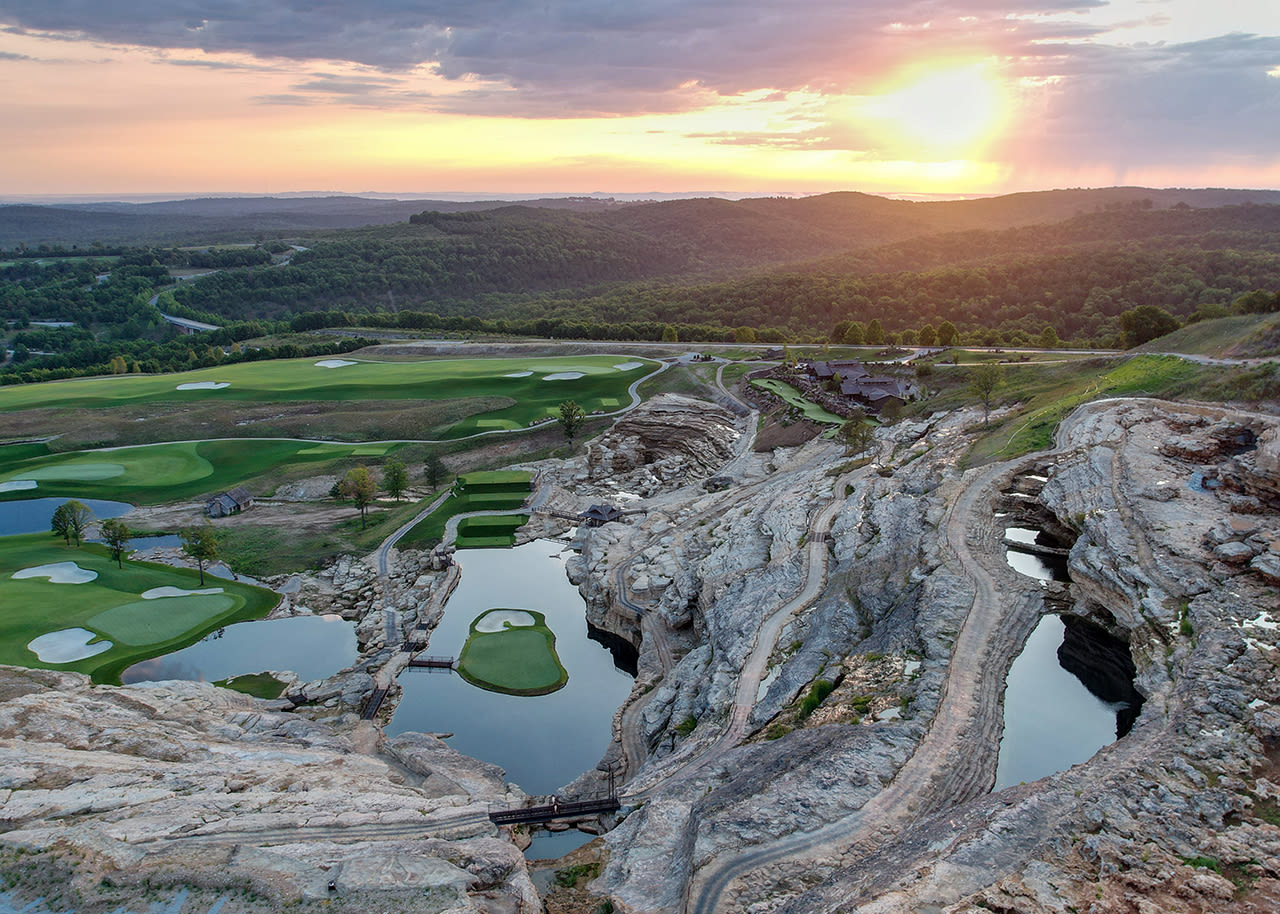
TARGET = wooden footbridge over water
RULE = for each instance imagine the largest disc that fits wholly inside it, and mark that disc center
(529, 815)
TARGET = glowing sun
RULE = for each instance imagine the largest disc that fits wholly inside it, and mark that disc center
(945, 112)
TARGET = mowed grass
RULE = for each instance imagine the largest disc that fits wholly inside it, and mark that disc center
(493, 490)
(161, 473)
(111, 606)
(492, 532)
(517, 661)
(792, 396)
(530, 396)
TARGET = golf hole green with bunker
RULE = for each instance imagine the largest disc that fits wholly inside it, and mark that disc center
(512, 651)
(68, 608)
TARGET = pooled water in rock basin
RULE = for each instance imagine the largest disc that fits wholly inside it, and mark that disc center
(311, 646)
(1051, 719)
(543, 742)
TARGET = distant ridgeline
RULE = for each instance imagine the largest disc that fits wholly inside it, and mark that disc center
(1004, 271)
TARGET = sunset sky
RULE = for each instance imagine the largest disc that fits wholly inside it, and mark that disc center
(748, 96)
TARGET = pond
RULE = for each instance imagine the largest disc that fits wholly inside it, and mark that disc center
(545, 741)
(1040, 567)
(1054, 718)
(311, 646)
(552, 845)
(32, 515)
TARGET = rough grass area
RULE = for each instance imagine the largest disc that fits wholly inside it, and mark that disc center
(811, 411)
(110, 606)
(160, 473)
(516, 661)
(492, 532)
(1044, 395)
(1240, 337)
(494, 490)
(680, 379)
(601, 387)
(259, 685)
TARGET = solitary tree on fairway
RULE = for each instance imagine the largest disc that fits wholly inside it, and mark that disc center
(983, 382)
(358, 485)
(433, 471)
(116, 536)
(69, 521)
(571, 418)
(201, 543)
(395, 478)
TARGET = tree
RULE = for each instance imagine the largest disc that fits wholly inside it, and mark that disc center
(201, 543)
(69, 521)
(358, 485)
(116, 536)
(928, 336)
(669, 334)
(1146, 323)
(433, 471)
(857, 434)
(1048, 338)
(947, 334)
(875, 333)
(571, 418)
(983, 383)
(855, 335)
(395, 478)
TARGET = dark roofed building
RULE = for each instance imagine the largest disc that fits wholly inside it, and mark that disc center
(599, 515)
(231, 502)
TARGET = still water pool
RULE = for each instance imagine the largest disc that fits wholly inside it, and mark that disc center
(543, 742)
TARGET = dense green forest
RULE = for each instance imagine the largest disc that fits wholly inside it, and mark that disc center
(1099, 268)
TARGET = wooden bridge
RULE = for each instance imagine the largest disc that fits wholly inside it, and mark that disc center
(373, 704)
(553, 811)
(433, 663)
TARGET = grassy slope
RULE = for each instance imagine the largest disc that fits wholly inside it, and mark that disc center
(1044, 394)
(602, 387)
(34, 606)
(1241, 337)
(791, 395)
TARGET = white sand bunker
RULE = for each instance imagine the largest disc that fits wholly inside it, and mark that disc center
(17, 485)
(67, 646)
(564, 376)
(627, 366)
(204, 385)
(157, 593)
(518, 374)
(498, 620)
(335, 363)
(58, 573)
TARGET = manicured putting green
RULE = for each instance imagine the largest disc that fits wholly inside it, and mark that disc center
(516, 658)
(490, 531)
(793, 397)
(109, 606)
(160, 620)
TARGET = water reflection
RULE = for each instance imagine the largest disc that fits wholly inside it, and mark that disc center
(32, 515)
(311, 646)
(542, 742)
(1051, 719)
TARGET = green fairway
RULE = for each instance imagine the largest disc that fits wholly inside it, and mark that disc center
(154, 474)
(110, 606)
(792, 396)
(513, 656)
(496, 490)
(496, 531)
(530, 389)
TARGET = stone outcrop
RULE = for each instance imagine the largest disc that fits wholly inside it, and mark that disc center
(667, 441)
(188, 786)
